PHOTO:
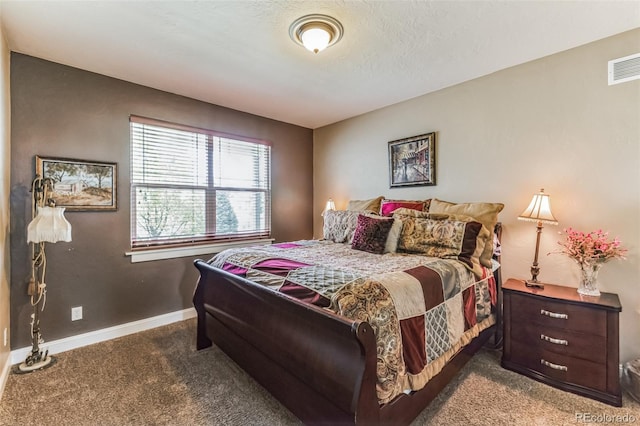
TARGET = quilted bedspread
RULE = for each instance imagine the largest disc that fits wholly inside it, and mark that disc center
(422, 309)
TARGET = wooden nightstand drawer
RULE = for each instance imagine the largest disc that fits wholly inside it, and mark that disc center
(564, 339)
(560, 367)
(549, 313)
(579, 345)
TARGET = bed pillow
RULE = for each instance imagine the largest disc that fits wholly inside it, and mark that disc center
(485, 213)
(371, 234)
(402, 212)
(394, 235)
(339, 225)
(447, 238)
(372, 205)
(391, 245)
(387, 207)
(497, 246)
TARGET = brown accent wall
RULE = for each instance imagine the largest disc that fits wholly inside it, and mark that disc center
(60, 111)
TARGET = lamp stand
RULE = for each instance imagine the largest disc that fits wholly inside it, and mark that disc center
(535, 270)
(37, 359)
(37, 289)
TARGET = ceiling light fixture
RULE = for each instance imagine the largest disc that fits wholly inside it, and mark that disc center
(316, 32)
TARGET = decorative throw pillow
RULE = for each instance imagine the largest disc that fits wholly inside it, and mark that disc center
(445, 238)
(394, 235)
(371, 234)
(402, 212)
(485, 213)
(387, 207)
(339, 225)
(372, 205)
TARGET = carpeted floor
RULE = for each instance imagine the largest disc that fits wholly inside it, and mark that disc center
(158, 378)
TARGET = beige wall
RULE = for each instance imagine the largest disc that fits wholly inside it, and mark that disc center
(552, 123)
(5, 172)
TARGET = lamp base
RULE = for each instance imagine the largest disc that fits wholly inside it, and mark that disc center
(35, 362)
(534, 284)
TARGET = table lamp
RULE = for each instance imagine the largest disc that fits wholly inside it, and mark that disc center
(539, 211)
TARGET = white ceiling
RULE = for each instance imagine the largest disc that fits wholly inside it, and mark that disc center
(238, 53)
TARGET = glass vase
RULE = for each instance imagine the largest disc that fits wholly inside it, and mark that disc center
(589, 278)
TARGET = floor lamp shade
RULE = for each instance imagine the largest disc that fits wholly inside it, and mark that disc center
(49, 226)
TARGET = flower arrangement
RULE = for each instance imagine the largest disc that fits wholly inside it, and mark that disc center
(590, 250)
(591, 247)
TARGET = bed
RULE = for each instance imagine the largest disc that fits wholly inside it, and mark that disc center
(349, 331)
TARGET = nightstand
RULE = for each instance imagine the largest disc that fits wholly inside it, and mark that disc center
(561, 338)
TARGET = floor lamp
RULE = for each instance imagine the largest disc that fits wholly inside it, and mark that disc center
(48, 225)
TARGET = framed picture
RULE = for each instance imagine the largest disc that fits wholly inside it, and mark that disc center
(80, 184)
(412, 161)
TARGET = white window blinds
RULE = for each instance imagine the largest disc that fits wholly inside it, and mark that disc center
(191, 185)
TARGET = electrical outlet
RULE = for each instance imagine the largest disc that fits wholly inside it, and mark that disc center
(76, 313)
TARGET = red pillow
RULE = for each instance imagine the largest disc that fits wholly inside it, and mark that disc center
(371, 234)
(387, 207)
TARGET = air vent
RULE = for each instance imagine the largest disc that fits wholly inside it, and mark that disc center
(624, 69)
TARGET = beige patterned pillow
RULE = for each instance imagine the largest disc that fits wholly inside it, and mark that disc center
(401, 212)
(485, 213)
(445, 238)
(339, 225)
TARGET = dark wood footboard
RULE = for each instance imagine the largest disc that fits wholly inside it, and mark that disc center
(319, 365)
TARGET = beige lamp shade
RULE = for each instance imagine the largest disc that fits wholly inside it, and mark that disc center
(539, 210)
(330, 205)
(49, 226)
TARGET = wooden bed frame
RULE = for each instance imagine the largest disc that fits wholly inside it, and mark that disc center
(319, 365)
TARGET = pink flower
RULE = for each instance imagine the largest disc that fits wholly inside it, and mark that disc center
(590, 247)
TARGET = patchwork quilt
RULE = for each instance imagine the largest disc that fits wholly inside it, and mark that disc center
(422, 309)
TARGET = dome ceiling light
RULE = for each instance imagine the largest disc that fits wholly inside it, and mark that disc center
(316, 32)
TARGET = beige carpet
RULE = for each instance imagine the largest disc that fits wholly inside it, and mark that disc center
(158, 378)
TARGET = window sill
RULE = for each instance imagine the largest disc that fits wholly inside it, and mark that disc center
(210, 249)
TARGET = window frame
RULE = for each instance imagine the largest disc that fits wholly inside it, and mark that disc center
(163, 248)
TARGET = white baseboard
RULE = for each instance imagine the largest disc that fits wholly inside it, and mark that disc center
(74, 342)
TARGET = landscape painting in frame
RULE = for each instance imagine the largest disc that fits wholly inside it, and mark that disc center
(80, 184)
(412, 161)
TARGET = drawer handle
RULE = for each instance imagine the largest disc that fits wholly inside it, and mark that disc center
(554, 366)
(554, 341)
(553, 314)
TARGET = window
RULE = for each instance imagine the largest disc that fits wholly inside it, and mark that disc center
(191, 185)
